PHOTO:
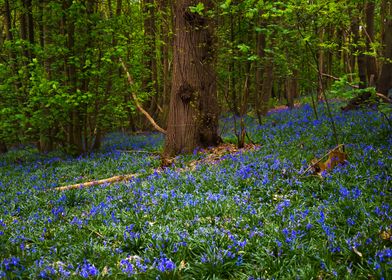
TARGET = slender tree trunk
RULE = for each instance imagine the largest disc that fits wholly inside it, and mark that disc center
(166, 27)
(292, 88)
(320, 67)
(75, 142)
(150, 82)
(23, 28)
(8, 21)
(30, 24)
(9, 35)
(260, 46)
(361, 59)
(268, 83)
(244, 105)
(193, 116)
(384, 84)
(233, 80)
(46, 141)
(3, 147)
(371, 66)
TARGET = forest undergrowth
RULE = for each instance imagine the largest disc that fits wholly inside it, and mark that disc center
(252, 214)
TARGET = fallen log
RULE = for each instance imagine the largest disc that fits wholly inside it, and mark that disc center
(214, 156)
(110, 180)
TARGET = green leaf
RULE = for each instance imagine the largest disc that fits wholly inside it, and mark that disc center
(198, 9)
(243, 48)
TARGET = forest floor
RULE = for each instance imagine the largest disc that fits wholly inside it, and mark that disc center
(223, 214)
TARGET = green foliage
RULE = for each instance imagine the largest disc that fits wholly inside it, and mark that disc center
(198, 9)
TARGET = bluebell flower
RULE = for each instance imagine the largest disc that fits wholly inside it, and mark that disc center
(127, 267)
(87, 269)
(164, 264)
(384, 255)
(350, 222)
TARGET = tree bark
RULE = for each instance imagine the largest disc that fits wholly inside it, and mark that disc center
(320, 67)
(3, 147)
(150, 82)
(193, 115)
(260, 46)
(291, 88)
(166, 27)
(360, 58)
(384, 84)
(268, 83)
(371, 67)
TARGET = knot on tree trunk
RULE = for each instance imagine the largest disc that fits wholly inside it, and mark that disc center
(186, 92)
(194, 19)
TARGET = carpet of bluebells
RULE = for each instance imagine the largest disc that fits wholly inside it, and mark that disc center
(253, 215)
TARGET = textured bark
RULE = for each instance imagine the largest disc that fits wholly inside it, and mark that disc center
(268, 83)
(384, 84)
(193, 115)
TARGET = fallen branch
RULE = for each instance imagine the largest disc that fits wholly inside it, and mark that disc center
(214, 156)
(138, 105)
(318, 161)
(96, 183)
(382, 96)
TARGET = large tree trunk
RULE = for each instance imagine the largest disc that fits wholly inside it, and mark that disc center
(384, 84)
(193, 115)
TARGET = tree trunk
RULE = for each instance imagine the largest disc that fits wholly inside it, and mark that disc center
(292, 88)
(320, 67)
(371, 68)
(150, 82)
(24, 28)
(3, 147)
(30, 24)
(384, 84)
(260, 46)
(268, 83)
(9, 36)
(361, 59)
(233, 80)
(166, 27)
(193, 115)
